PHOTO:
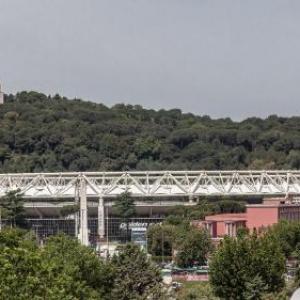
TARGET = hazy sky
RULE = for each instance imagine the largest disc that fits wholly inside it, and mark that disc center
(224, 58)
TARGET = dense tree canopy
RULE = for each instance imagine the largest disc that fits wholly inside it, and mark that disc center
(137, 278)
(247, 267)
(288, 236)
(193, 247)
(161, 238)
(43, 133)
(64, 269)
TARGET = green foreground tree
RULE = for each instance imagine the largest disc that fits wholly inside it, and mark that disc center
(192, 244)
(288, 236)
(193, 247)
(136, 277)
(246, 267)
(89, 273)
(63, 269)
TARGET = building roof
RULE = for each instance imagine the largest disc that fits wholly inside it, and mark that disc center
(227, 217)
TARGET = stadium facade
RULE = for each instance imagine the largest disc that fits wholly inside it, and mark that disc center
(47, 194)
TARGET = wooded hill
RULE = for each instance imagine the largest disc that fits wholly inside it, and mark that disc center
(43, 133)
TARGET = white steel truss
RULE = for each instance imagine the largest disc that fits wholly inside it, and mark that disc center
(152, 184)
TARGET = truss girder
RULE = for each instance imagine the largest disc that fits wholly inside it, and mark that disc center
(153, 184)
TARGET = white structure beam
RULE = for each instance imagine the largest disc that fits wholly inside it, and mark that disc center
(101, 221)
(83, 233)
(53, 186)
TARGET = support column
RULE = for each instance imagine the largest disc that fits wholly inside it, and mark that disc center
(227, 229)
(211, 229)
(76, 214)
(83, 234)
(234, 229)
(101, 221)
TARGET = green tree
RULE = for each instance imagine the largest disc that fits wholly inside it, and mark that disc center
(62, 269)
(136, 277)
(124, 207)
(245, 266)
(255, 288)
(80, 263)
(12, 208)
(160, 239)
(193, 247)
(288, 236)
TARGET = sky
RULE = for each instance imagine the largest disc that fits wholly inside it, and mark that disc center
(225, 58)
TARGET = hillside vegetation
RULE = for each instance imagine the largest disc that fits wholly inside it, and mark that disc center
(42, 133)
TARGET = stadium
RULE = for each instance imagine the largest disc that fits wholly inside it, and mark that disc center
(47, 195)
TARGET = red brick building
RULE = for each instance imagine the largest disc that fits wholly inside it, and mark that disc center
(257, 216)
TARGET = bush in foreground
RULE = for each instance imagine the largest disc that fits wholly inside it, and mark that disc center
(64, 269)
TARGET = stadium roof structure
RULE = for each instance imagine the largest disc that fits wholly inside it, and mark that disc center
(152, 183)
